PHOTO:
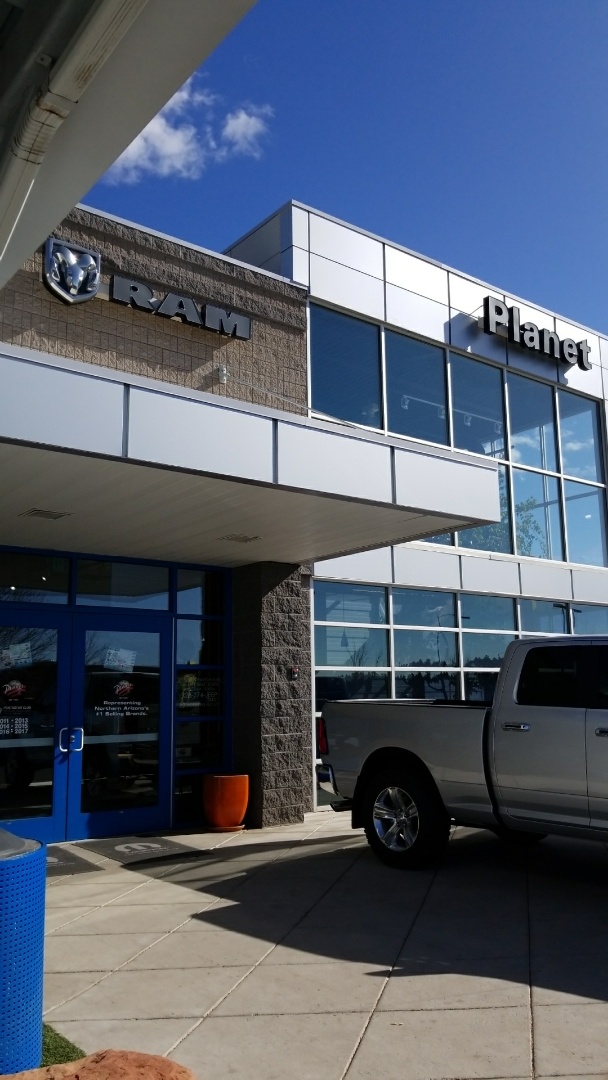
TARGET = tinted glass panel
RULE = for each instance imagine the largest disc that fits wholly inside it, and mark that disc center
(543, 616)
(441, 685)
(38, 579)
(416, 389)
(477, 407)
(492, 537)
(127, 585)
(345, 366)
(199, 592)
(199, 642)
(350, 646)
(590, 620)
(199, 693)
(487, 612)
(420, 607)
(580, 436)
(425, 648)
(335, 602)
(338, 685)
(585, 523)
(552, 677)
(199, 744)
(599, 699)
(538, 516)
(480, 685)
(532, 423)
(484, 650)
(440, 538)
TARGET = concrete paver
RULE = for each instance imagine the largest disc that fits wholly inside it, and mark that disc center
(294, 952)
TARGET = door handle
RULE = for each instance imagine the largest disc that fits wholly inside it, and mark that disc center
(77, 749)
(63, 748)
(518, 727)
(602, 732)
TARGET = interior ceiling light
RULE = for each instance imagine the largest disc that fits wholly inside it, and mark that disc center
(239, 538)
(48, 515)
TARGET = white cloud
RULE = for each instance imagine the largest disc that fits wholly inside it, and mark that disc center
(186, 137)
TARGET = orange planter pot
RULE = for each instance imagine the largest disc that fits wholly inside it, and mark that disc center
(225, 800)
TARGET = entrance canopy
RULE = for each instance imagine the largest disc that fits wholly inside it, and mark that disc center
(116, 464)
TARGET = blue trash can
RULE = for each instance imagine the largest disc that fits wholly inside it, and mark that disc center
(22, 884)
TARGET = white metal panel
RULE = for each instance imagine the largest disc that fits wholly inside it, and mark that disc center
(299, 268)
(588, 382)
(465, 334)
(446, 486)
(468, 296)
(321, 461)
(604, 352)
(299, 227)
(528, 313)
(532, 363)
(419, 566)
(373, 566)
(346, 246)
(415, 275)
(544, 579)
(261, 244)
(62, 408)
(578, 333)
(347, 288)
(194, 435)
(489, 575)
(416, 313)
(590, 586)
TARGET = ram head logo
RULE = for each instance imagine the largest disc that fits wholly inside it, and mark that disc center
(71, 272)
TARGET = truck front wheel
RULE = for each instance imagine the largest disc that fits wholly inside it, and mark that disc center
(405, 822)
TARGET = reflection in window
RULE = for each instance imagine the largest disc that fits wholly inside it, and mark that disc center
(199, 642)
(484, 650)
(425, 648)
(487, 612)
(492, 537)
(538, 526)
(199, 744)
(345, 367)
(130, 585)
(477, 406)
(590, 620)
(338, 602)
(532, 423)
(580, 436)
(421, 607)
(585, 523)
(199, 592)
(440, 685)
(338, 685)
(543, 616)
(351, 646)
(440, 538)
(480, 685)
(38, 579)
(416, 388)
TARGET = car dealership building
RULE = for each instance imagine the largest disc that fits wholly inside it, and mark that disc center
(317, 454)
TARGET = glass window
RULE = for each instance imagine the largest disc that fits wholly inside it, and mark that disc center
(420, 607)
(543, 616)
(345, 367)
(492, 537)
(487, 612)
(425, 648)
(199, 642)
(538, 527)
(343, 685)
(199, 592)
(589, 619)
(532, 423)
(199, 744)
(552, 676)
(131, 585)
(350, 646)
(585, 523)
(477, 406)
(37, 579)
(199, 693)
(338, 602)
(416, 388)
(440, 538)
(580, 436)
(480, 685)
(484, 650)
(440, 685)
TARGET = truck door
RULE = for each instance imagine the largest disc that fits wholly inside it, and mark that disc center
(539, 736)
(597, 739)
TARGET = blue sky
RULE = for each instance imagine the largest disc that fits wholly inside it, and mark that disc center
(472, 131)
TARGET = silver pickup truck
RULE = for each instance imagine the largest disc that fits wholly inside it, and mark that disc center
(532, 762)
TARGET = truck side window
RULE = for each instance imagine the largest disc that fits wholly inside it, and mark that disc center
(552, 676)
(600, 699)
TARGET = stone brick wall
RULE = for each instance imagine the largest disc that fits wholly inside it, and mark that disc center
(271, 712)
(270, 369)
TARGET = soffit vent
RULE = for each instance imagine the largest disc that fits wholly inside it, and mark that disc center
(48, 515)
(239, 538)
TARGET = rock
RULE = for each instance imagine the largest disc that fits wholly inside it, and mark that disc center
(111, 1065)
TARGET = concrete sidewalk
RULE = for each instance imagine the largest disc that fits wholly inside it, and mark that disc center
(294, 953)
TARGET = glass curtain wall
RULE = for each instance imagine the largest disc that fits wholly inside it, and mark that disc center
(548, 440)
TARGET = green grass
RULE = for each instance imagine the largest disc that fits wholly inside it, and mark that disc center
(56, 1049)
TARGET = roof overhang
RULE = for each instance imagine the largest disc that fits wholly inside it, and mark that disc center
(134, 468)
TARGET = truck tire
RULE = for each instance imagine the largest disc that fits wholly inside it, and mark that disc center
(404, 819)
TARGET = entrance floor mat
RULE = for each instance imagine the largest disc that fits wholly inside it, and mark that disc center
(63, 861)
(135, 849)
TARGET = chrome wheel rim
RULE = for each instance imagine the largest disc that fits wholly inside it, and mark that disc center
(395, 817)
